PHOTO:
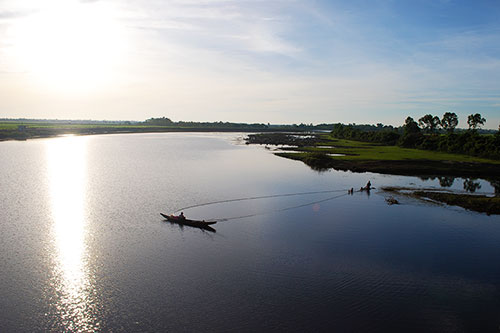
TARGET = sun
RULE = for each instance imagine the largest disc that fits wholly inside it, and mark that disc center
(70, 44)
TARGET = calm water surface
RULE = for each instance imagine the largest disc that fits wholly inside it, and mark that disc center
(83, 246)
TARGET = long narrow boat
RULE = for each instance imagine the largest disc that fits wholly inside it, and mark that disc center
(192, 223)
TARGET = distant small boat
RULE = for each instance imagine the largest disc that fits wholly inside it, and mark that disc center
(192, 223)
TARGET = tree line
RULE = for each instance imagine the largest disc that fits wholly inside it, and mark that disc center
(167, 122)
(430, 133)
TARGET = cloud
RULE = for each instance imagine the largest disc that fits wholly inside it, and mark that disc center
(292, 61)
(224, 25)
(11, 15)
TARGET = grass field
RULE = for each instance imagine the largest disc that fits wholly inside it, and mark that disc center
(359, 156)
(355, 150)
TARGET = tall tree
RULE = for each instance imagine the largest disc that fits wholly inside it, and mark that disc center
(163, 121)
(429, 122)
(411, 126)
(411, 135)
(475, 121)
(449, 121)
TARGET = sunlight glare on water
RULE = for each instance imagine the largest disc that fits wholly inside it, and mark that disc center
(66, 159)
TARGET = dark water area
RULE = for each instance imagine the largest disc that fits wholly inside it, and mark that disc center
(83, 247)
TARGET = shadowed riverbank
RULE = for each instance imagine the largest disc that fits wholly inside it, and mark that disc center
(477, 203)
(321, 152)
(48, 132)
(24, 129)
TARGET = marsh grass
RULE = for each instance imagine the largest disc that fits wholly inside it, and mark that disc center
(356, 150)
(477, 203)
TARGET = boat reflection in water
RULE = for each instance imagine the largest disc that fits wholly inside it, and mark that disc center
(71, 305)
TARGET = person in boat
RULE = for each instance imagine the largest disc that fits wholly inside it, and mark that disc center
(181, 216)
(368, 186)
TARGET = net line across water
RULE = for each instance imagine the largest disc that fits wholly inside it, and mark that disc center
(256, 198)
(267, 197)
(279, 209)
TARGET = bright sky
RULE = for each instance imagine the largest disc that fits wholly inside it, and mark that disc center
(277, 61)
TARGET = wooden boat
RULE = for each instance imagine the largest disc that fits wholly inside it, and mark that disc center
(192, 223)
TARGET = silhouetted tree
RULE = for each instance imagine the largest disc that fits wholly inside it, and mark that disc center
(411, 134)
(470, 185)
(475, 121)
(429, 122)
(163, 121)
(446, 181)
(496, 186)
(411, 126)
(449, 121)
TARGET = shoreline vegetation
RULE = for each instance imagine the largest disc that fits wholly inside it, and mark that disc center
(25, 129)
(476, 203)
(323, 151)
(407, 150)
(431, 147)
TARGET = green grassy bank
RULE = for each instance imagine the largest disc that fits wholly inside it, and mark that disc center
(359, 156)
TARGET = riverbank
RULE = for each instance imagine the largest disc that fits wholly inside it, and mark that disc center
(35, 131)
(321, 152)
(476, 203)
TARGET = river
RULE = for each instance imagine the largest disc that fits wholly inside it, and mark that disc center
(83, 247)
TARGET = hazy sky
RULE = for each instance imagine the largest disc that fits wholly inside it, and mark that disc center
(278, 61)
